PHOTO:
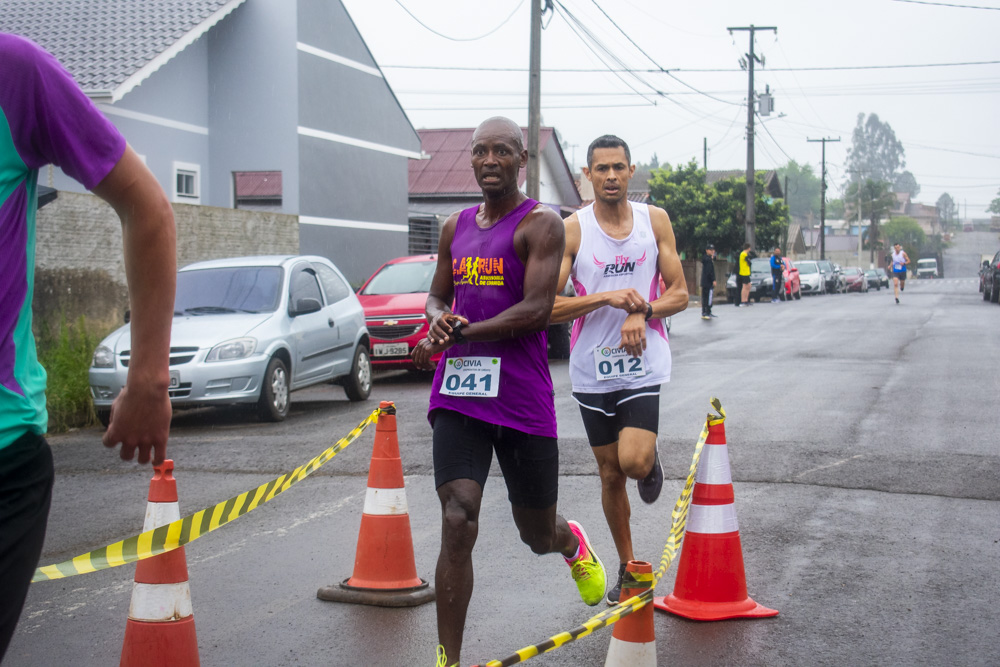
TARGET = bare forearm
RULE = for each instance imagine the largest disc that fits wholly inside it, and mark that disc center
(568, 308)
(519, 320)
(670, 303)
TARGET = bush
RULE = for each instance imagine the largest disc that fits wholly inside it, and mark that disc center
(65, 354)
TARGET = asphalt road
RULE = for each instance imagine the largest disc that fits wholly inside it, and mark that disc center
(862, 439)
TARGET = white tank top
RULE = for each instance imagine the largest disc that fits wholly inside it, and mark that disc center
(605, 264)
(898, 265)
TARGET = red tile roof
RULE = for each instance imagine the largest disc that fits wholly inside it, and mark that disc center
(449, 171)
(258, 183)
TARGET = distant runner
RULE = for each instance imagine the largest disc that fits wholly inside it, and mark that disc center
(899, 261)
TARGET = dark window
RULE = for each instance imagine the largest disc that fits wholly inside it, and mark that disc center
(423, 238)
(240, 288)
(304, 286)
(257, 190)
(334, 286)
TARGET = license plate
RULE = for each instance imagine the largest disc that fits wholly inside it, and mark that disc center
(390, 349)
(175, 379)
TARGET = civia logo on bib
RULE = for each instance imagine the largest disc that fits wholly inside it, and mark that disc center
(622, 266)
(608, 351)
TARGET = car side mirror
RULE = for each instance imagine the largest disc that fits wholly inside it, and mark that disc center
(305, 306)
(128, 316)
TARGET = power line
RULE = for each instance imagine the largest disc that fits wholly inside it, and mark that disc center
(459, 39)
(626, 70)
(766, 129)
(945, 4)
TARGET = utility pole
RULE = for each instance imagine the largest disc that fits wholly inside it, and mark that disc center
(534, 99)
(704, 153)
(822, 199)
(751, 216)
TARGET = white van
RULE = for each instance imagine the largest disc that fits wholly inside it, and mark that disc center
(927, 268)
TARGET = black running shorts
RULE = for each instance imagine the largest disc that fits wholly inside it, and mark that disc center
(464, 446)
(605, 415)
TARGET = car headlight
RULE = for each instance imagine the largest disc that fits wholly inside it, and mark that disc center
(103, 358)
(238, 348)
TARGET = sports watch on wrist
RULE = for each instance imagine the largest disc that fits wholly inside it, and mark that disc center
(649, 310)
(456, 332)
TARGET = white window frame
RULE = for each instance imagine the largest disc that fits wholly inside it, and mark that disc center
(195, 169)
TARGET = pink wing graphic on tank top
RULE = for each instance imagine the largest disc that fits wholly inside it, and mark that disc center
(598, 262)
(641, 260)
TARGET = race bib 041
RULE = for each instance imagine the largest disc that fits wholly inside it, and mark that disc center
(611, 363)
(471, 377)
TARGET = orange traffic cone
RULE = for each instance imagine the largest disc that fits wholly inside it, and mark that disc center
(711, 582)
(633, 641)
(385, 573)
(160, 628)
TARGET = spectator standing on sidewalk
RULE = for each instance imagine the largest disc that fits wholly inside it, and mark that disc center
(707, 282)
(777, 275)
(743, 277)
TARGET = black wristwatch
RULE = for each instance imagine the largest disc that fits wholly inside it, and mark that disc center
(649, 310)
(456, 333)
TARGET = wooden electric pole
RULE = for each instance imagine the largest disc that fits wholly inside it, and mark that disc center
(751, 215)
(822, 199)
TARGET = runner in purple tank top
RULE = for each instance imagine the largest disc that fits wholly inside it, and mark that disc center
(499, 263)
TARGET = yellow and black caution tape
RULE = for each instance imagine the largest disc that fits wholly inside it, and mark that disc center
(636, 602)
(178, 533)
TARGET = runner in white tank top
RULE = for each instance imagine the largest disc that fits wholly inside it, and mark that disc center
(616, 252)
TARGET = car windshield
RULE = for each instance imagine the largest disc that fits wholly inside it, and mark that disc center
(871, 272)
(807, 267)
(236, 289)
(826, 267)
(760, 265)
(402, 278)
(926, 262)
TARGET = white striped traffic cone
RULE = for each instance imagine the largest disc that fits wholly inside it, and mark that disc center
(633, 641)
(711, 582)
(385, 573)
(160, 629)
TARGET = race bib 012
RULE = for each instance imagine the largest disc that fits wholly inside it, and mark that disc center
(611, 363)
(477, 377)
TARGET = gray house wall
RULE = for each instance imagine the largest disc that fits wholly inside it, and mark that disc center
(253, 107)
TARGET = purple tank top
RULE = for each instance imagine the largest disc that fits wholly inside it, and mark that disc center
(489, 278)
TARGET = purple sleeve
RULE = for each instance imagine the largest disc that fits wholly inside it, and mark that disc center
(50, 118)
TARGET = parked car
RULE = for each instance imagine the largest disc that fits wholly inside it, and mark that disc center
(250, 330)
(855, 280)
(760, 281)
(793, 284)
(832, 277)
(927, 268)
(883, 277)
(394, 298)
(812, 281)
(991, 280)
(871, 275)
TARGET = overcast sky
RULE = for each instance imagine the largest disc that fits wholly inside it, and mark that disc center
(947, 117)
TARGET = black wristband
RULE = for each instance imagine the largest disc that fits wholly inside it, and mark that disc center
(649, 310)
(456, 333)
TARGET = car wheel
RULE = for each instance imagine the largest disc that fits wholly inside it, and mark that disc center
(995, 292)
(103, 416)
(986, 295)
(272, 406)
(358, 385)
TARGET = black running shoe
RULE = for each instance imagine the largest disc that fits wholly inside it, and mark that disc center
(615, 591)
(649, 487)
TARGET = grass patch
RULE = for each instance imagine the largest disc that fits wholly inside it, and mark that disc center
(66, 354)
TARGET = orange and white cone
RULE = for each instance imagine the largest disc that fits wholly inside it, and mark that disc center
(633, 641)
(160, 629)
(711, 581)
(385, 573)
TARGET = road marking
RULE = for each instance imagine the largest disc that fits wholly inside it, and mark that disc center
(829, 465)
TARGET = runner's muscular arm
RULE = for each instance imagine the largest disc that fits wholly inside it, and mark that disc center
(544, 238)
(568, 308)
(140, 415)
(674, 300)
(437, 308)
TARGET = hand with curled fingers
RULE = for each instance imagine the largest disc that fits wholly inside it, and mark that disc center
(425, 349)
(140, 421)
(634, 334)
(628, 300)
(440, 326)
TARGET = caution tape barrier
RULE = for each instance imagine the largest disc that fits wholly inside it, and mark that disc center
(636, 602)
(178, 533)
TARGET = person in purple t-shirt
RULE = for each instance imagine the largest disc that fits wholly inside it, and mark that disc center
(46, 119)
(499, 263)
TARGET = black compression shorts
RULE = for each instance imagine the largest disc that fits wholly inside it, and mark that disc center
(464, 446)
(605, 415)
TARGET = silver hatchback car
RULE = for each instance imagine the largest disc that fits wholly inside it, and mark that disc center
(251, 330)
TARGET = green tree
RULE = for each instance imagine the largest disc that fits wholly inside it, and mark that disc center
(835, 209)
(906, 182)
(947, 211)
(877, 200)
(907, 232)
(995, 205)
(803, 189)
(716, 213)
(875, 151)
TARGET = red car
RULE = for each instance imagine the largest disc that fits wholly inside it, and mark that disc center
(855, 279)
(793, 286)
(393, 300)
